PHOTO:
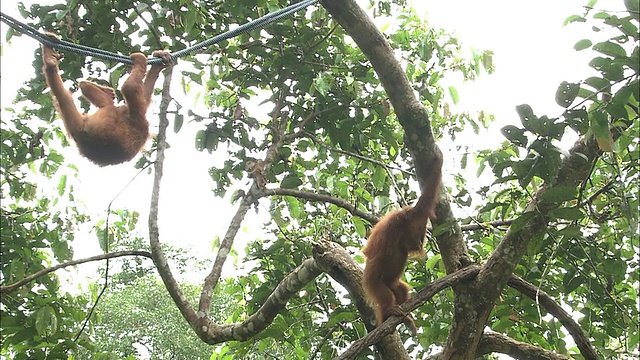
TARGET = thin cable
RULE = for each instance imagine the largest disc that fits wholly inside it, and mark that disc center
(248, 27)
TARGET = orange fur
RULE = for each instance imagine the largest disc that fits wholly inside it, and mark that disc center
(396, 236)
(113, 134)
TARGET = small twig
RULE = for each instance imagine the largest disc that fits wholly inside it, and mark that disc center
(301, 194)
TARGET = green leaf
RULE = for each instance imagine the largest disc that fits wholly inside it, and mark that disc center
(487, 61)
(360, 226)
(582, 44)
(291, 182)
(566, 93)
(599, 126)
(573, 18)
(454, 94)
(62, 185)
(294, 207)
(178, 120)
(526, 116)
(633, 6)
(617, 108)
(502, 324)
(433, 261)
(522, 220)
(322, 84)
(567, 213)
(515, 135)
(200, 139)
(211, 142)
(572, 282)
(598, 83)
(558, 194)
(610, 69)
(609, 48)
(46, 321)
(379, 176)
(578, 120)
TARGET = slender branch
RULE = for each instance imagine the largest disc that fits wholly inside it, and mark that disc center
(598, 192)
(301, 194)
(10, 288)
(357, 156)
(323, 341)
(542, 298)
(154, 235)
(336, 262)
(485, 225)
(423, 295)
(151, 28)
(211, 280)
(492, 342)
(323, 39)
(598, 91)
(305, 121)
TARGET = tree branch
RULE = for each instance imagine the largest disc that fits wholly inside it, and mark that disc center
(484, 225)
(301, 194)
(10, 288)
(357, 156)
(334, 260)
(211, 280)
(542, 298)
(493, 342)
(421, 297)
(288, 287)
(154, 235)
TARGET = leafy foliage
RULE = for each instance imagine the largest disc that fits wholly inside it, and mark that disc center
(139, 318)
(39, 319)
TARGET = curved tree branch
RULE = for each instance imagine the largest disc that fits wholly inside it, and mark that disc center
(307, 195)
(211, 280)
(492, 342)
(288, 287)
(154, 235)
(328, 257)
(334, 260)
(421, 297)
(12, 287)
(542, 298)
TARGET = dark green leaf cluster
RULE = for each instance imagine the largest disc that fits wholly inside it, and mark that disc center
(36, 227)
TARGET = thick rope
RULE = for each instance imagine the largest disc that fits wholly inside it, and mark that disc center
(110, 56)
(61, 44)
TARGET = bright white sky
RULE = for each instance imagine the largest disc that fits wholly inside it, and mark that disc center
(533, 54)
